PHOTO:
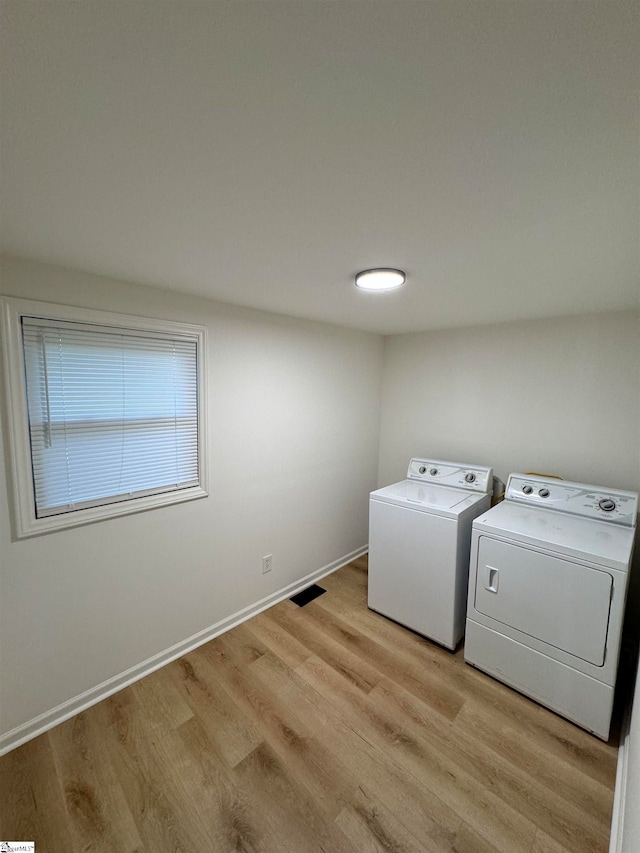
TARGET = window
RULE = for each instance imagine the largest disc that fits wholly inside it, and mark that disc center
(106, 414)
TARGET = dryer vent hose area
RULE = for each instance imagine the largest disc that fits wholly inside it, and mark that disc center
(498, 491)
(498, 484)
(538, 474)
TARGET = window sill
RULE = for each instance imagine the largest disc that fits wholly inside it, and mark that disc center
(77, 518)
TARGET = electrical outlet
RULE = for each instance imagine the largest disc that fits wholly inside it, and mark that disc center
(266, 563)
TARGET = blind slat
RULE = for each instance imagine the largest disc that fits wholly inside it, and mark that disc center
(113, 413)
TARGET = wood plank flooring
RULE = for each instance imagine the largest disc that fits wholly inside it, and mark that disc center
(323, 728)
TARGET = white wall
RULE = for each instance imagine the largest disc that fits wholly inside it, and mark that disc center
(625, 825)
(556, 396)
(293, 441)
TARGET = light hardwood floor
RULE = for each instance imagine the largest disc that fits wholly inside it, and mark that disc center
(322, 728)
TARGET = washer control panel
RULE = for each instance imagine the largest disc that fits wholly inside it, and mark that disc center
(577, 498)
(471, 477)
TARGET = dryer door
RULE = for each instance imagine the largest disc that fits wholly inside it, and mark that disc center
(556, 601)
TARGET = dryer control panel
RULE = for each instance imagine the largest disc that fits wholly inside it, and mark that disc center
(610, 505)
(474, 478)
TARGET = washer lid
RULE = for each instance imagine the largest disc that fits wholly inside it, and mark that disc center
(425, 497)
(587, 539)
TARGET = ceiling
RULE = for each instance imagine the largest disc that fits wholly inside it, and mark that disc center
(261, 153)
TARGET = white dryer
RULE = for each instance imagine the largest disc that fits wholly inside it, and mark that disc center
(547, 588)
(419, 537)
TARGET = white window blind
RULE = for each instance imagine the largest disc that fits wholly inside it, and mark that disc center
(113, 413)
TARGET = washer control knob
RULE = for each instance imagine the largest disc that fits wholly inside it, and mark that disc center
(527, 489)
(433, 471)
(470, 477)
(544, 493)
(422, 469)
(607, 504)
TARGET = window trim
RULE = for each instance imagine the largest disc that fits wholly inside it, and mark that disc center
(25, 522)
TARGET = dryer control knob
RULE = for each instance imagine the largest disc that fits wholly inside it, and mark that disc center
(544, 493)
(607, 504)
(527, 489)
(433, 471)
(422, 469)
(470, 478)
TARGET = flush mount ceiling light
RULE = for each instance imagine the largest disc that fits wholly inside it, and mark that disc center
(380, 279)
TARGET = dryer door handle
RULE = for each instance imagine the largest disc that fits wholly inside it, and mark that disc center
(492, 579)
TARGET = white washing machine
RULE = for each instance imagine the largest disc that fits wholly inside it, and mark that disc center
(547, 589)
(419, 537)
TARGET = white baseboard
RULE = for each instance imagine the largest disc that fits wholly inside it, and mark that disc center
(27, 731)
